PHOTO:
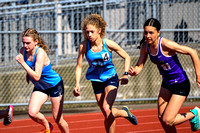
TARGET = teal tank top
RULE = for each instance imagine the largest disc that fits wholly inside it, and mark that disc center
(100, 63)
(49, 78)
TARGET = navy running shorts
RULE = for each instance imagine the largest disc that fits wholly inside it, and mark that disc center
(99, 87)
(55, 91)
(182, 88)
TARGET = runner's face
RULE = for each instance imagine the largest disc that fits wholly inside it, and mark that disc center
(92, 32)
(151, 34)
(28, 43)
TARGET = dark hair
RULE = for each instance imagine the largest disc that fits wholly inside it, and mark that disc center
(141, 42)
(153, 22)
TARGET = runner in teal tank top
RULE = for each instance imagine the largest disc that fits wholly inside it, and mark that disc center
(35, 61)
(101, 67)
(49, 78)
(101, 71)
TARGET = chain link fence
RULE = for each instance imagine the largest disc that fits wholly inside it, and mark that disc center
(59, 24)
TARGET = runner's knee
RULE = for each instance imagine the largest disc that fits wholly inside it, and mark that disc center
(32, 113)
(107, 110)
(169, 121)
(61, 122)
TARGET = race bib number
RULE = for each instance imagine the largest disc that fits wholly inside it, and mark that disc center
(105, 56)
(166, 66)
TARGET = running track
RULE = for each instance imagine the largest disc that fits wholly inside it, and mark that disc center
(93, 123)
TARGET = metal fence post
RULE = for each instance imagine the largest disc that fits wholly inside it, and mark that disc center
(56, 35)
(147, 9)
(104, 13)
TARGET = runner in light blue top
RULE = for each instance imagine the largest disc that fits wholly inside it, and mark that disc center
(100, 63)
(49, 78)
(101, 71)
(35, 61)
(175, 86)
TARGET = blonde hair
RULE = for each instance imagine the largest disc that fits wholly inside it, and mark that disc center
(95, 20)
(30, 32)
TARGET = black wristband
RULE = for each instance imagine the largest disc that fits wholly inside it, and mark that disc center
(125, 73)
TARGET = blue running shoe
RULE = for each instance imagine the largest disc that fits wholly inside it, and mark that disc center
(130, 116)
(195, 122)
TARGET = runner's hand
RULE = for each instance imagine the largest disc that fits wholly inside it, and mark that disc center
(20, 58)
(132, 71)
(76, 91)
(124, 79)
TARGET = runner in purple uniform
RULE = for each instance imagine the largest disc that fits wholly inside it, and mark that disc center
(175, 85)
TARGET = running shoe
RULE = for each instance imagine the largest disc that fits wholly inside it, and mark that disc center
(50, 129)
(8, 119)
(195, 122)
(130, 116)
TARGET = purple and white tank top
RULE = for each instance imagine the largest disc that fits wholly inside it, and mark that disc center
(168, 66)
